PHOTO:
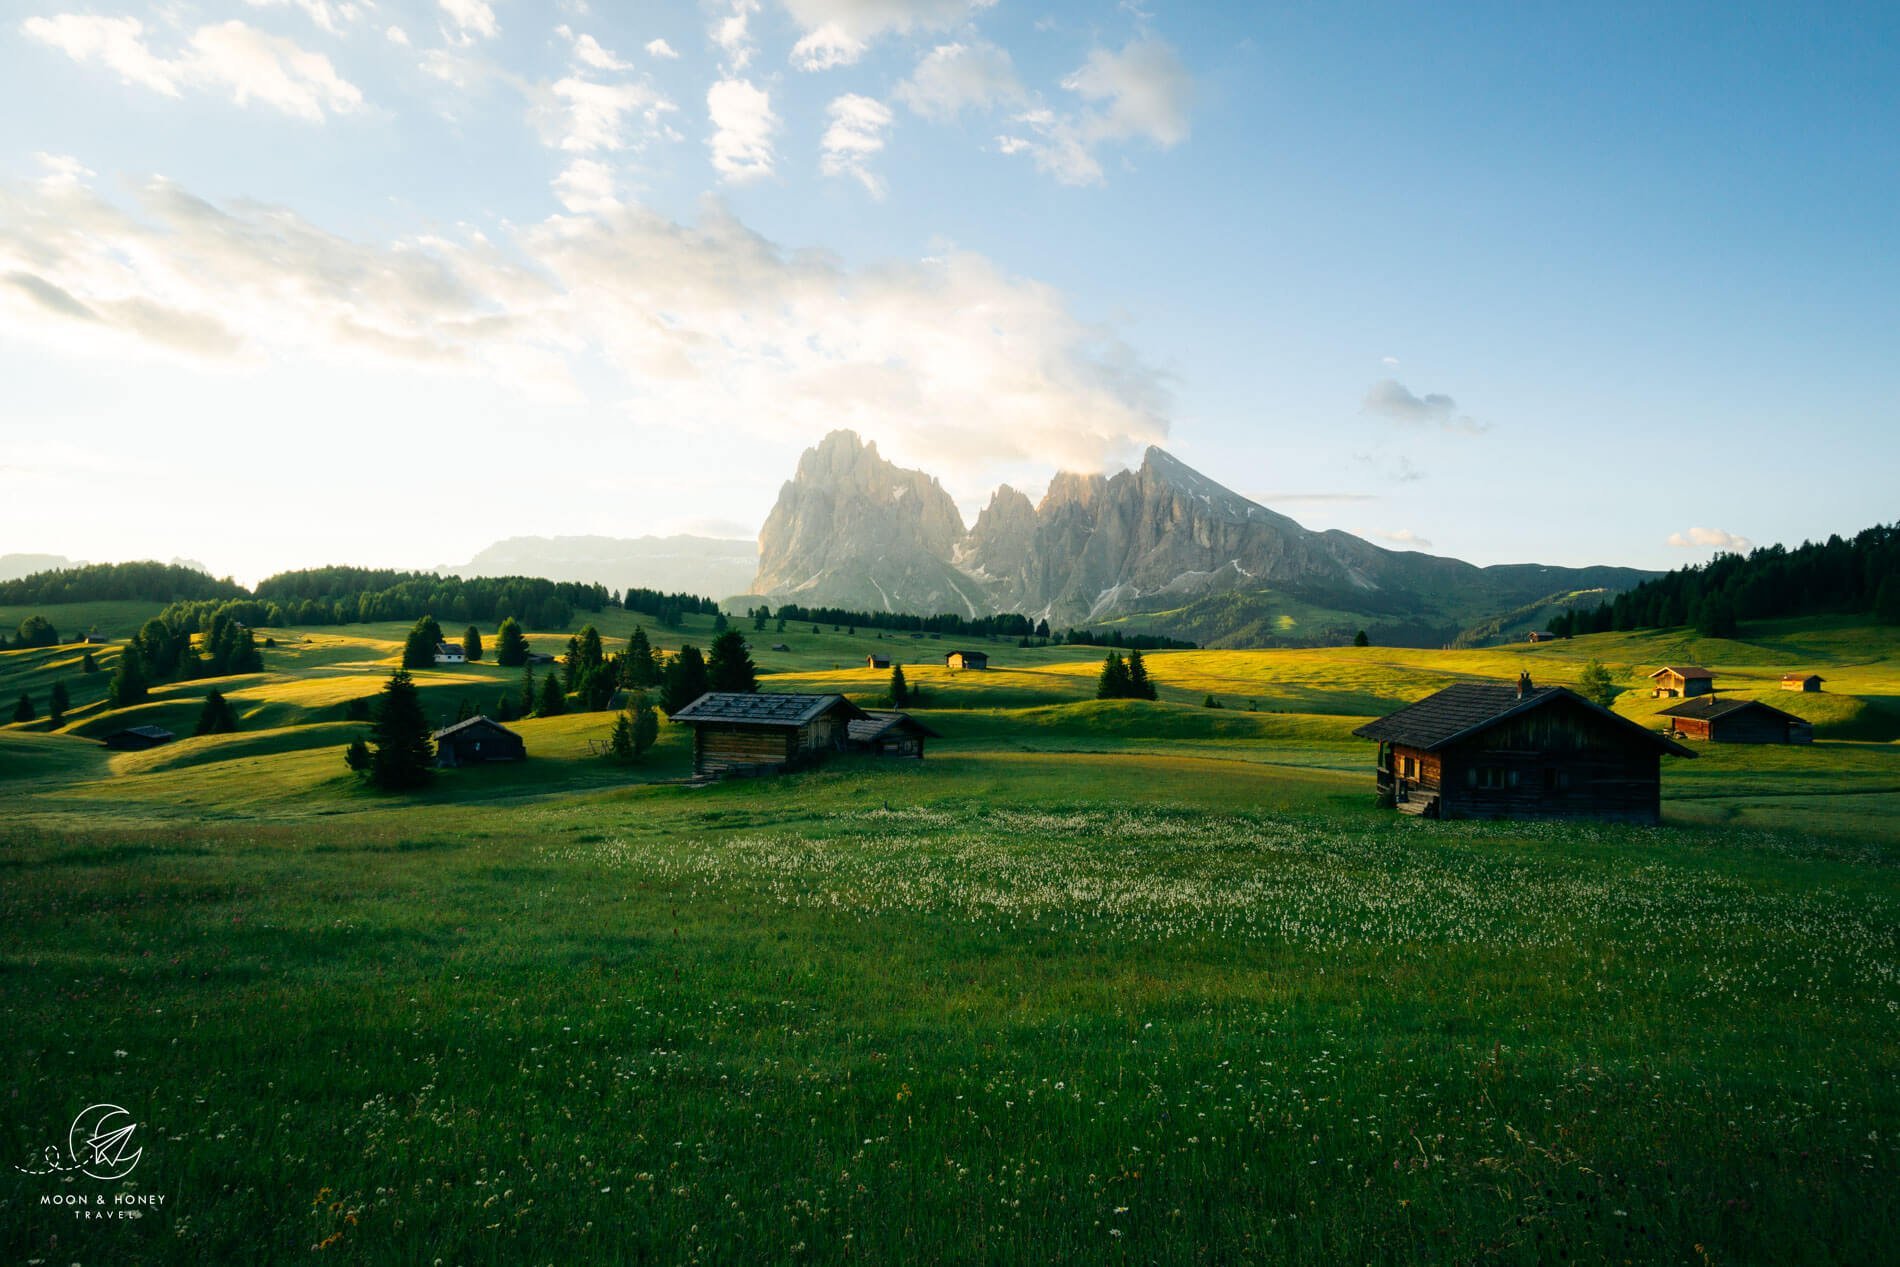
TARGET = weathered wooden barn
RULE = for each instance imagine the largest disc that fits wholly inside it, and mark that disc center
(877, 662)
(968, 660)
(888, 733)
(1683, 680)
(1730, 720)
(1543, 635)
(765, 733)
(137, 738)
(476, 741)
(1490, 750)
(1810, 682)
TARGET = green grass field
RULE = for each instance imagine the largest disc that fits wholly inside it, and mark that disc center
(1097, 981)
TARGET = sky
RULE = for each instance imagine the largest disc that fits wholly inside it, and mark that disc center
(294, 282)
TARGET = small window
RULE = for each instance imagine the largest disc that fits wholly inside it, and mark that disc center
(1471, 776)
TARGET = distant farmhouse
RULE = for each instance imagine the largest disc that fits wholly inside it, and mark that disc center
(475, 742)
(741, 734)
(1683, 680)
(781, 646)
(877, 661)
(450, 653)
(137, 738)
(1488, 750)
(1543, 635)
(887, 733)
(1736, 721)
(1810, 682)
(93, 640)
(967, 660)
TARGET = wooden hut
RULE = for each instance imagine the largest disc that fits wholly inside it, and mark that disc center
(477, 741)
(1810, 682)
(1543, 635)
(1489, 750)
(967, 660)
(1684, 680)
(888, 733)
(137, 738)
(877, 662)
(764, 733)
(1729, 720)
(450, 653)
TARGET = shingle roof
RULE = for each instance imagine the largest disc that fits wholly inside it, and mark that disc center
(1466, 708)
(764, 709)
(1707, 707)
(145, 732)
(1802, 677)
(1684, 671)
(477, 720)
(878, 721)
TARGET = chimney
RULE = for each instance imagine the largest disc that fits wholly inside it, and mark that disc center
(1523, 684)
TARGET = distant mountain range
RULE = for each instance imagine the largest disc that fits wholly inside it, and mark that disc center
(15, 566)
(709, 566)
(1161, 549)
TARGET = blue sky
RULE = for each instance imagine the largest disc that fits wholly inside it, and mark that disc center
(1511, 282)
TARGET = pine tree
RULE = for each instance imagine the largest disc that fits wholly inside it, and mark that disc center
(1361, 640)
(217, 717)
(158, 647)
(357, 757)
(900, 689)
(189, 665)
(1139, 685)
(684, 679)
(730, 667)
(593, 655)
(553, 701)
(402, 754)
(1887, 601)
(620, 742)
(528, 698)
(57, 704)
(87, 664)
(646, 723)
(719, 622)
(1113, 683)
(1595, 684)
(638, 667)
(128, 685)
(24, 710)
(472, 644)
(418, 651)
(511, 646)
(571, 662)
(37, 631)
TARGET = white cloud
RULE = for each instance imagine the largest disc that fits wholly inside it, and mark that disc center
(1710, 539)
(952, 78)
(588, 52)
(1406, 537)
(743, 130)
(706, 324)
(662, 50)
(1392, 399)
(331, 17)
(396, 35)
(838, 32)
(1142, 92)
(733, 34)
(227, 57)
(856, 133)
(587, 185)
(579, 116)
(471, 19)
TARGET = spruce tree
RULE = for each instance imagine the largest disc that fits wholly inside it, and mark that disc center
(1887, 601)
(900, 689)
(620, 742)
(401, 753)
(189, 665)
(356, 757)
(87, 664)
(646, 723)
(553, 701)
(511, 645)
(1113, 684)
(472, 644)
(418, 650)
(128, 685)
(528, 700)
(159, 648)
(217, 717)
(638, 667)
(24, 710)
(684, 679)
(57, 704)
(1361, 640)
(1139, 685)
(730, 667)
(592, 654)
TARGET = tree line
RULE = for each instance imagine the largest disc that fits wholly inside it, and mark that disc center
(1857, 576)
(116, 582)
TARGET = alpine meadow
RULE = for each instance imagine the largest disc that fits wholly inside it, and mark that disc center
(1211, 635)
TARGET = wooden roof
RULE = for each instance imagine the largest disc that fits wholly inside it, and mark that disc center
(1684, 671)
(880, 721)
(1710, 707)
(145, 732)
(1802, 677)
(968, 655)
(764, 708)
(477, 720)
(1469, 708)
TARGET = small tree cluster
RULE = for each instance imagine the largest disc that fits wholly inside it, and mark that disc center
(400, 754)
(1124, 679)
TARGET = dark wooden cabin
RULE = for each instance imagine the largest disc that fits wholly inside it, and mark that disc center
(476, 741)
(765, 733)
(887, 733)
(968, 660)
(877, 662)
(1684, 680)
(137, 738)
(1810, 682)
(1543, 635)
(1736, 721)
(1488, 750)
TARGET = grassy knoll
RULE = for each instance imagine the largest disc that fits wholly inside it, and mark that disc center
(1126, 981)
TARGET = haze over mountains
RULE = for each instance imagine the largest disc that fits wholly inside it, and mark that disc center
(1161, 548)
(713, 566)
